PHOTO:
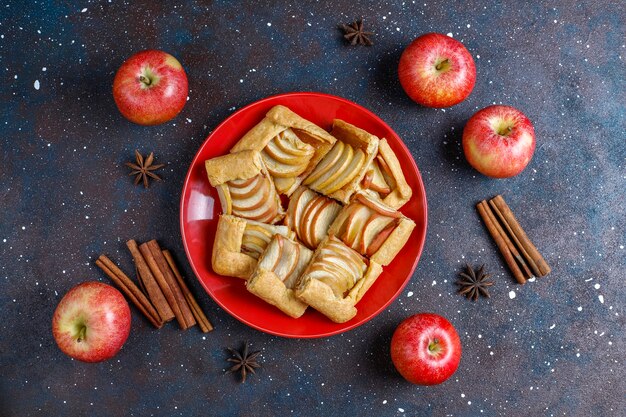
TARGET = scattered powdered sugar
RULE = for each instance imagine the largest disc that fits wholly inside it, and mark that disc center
(36, 84)
(580, 308)
(596, 286)
(409, 294)
(512, 295)
(601, 298)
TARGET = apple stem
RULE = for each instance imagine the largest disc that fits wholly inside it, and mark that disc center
(441, 64)
(434, 345)
(145, 80)
(82, 333)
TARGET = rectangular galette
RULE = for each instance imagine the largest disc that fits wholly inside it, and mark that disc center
(342, 169)
(244, 186)
(372, 228)
(239, 243)
(336, 279)
(290, 146)
(277, 273)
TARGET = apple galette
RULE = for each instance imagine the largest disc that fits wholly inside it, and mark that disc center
(341, 170)
(341, 224)
(290, 146)
(240, 242)
(372, 228)
(244, 186)
(277, 273)
(310, 215)
(384, 177)
(336, 279)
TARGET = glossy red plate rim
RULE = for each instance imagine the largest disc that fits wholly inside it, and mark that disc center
(421, 242)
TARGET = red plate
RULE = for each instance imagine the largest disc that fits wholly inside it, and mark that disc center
(200, 207)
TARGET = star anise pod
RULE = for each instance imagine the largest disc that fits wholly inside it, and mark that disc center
(474, 283)
(244, 362)
(143, 169)
(355, 34)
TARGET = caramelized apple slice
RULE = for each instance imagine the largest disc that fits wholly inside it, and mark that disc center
(329, 160)
(242, 183)
(378, 183)
(335, 172)
(349, 173)
(380, 238)
(307, 219)
(386, 171)
(250, 188)
(300, 204)
(354, 225)
(378, 207)
(304, 257)
(322, 220)
(288, 259)
(374, 226)
(254, 201)
(225, 201)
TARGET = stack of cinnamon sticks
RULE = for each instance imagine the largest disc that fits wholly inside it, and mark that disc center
(521, 256)
(164, 295)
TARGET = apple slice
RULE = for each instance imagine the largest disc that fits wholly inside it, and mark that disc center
(279, 155)
(300, 204)
(253, 245)
(329, 160)
(322, 220)
(307, 220)
(271, 256)
(288, 260)
(378, 207)
(260, 229)
(375, 225)
(259, 199)
(354, 225)
(386, 171)
(250, 189)
(336, 171)
(380, 238)
(281, 169)
(289, 142)
(348, 174)
(378, 184)
(225, 201)
(242, 183)
(354, 258)
(304, 258)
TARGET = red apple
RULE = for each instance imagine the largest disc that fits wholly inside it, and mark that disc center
(499, 141)
(150, 88)
(436, 70)
(92, 322)
(426, 349)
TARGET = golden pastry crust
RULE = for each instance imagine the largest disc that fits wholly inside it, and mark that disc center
(277, 120)
(275, 286)
(401, 191)
(321, 296)
(358, 139)
(227, 257)
(234, 166)
(248, 164)
(392, 245)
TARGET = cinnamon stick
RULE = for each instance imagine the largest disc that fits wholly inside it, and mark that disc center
(201, 318)
(507, 241)
(160, 269)
(483, 209)
(544, 268)
(531, 262)
(153, 289)
(130, 290)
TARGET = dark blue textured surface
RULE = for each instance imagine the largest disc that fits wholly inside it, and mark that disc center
(557, 348)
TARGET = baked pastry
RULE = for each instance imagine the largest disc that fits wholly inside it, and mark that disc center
(384, 176)
(277, 272)
(336, 279)
(310, 215)
(239, 243)
(372, 228)
(245, 187)
(340, 172)
(290, 146)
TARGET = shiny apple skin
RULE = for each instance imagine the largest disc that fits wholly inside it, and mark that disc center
(105, 315)
(492, 153)
(410, 351)
(427, 85)
(154, 103)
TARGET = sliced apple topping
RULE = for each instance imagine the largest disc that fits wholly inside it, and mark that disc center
(310, 215)
(287, 259)
(347, 174)
(327, 163)
(337, 266)
(381, 237)
(378, 207)
(271, 256)
(379, 181)
(255, 200)
(286, 155)
(386, 171)
(330, 177)
(354, 224)
(373, 228)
